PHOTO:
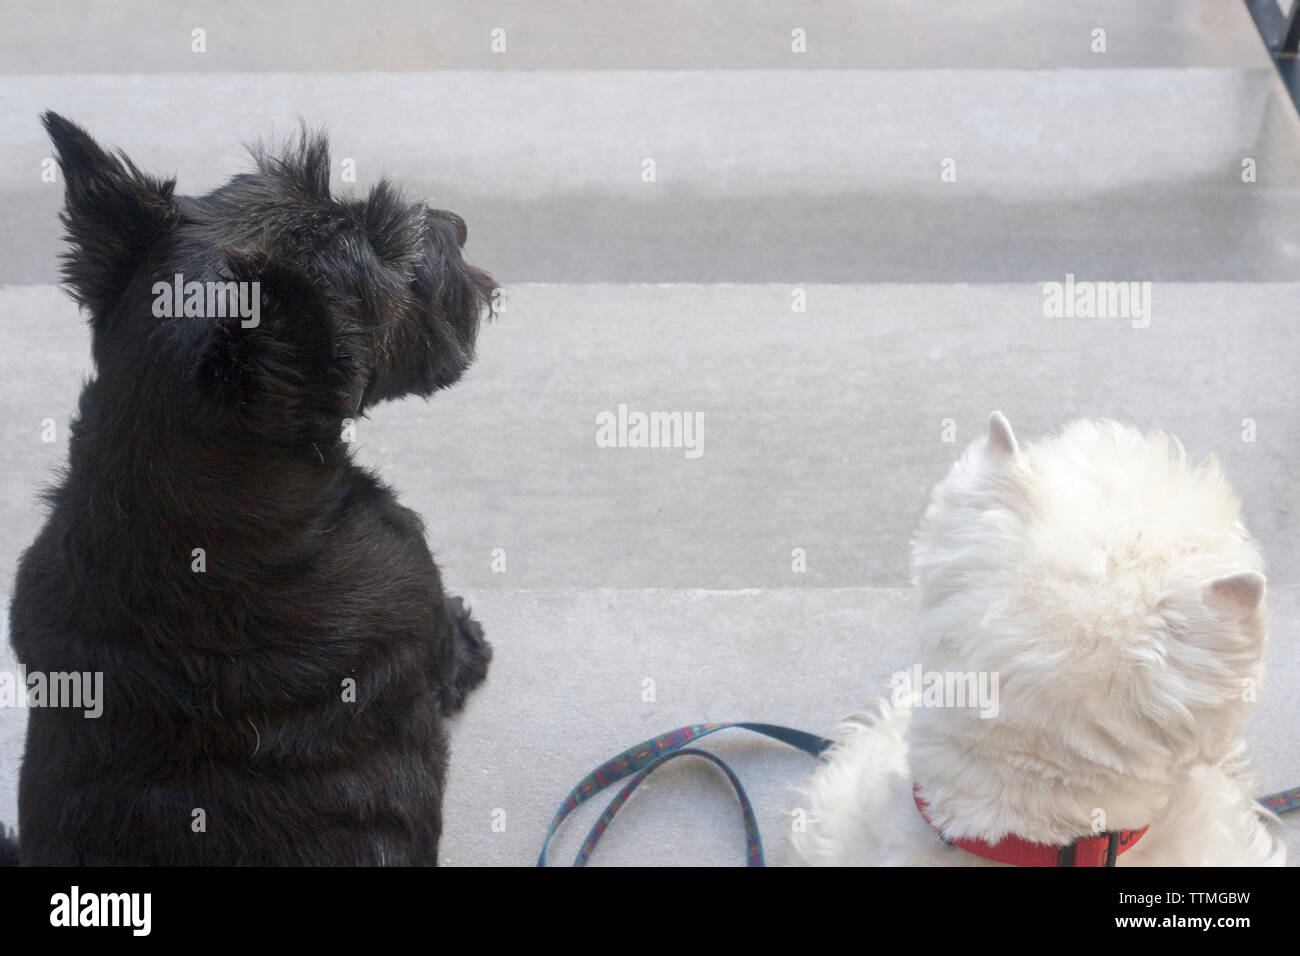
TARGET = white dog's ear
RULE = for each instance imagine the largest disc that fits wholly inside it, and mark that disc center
(1234, 596)
(1001, 443)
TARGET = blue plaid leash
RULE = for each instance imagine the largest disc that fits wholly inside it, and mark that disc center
(1284, 801)
(645, 758)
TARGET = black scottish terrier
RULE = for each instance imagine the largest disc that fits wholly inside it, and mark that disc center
(277, 651)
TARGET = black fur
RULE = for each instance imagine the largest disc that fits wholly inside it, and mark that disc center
(8, 847)
(224, 689)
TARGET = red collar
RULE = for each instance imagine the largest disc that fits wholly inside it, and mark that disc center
(1100, 850)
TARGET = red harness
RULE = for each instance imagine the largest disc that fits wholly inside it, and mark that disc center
(1100, 850)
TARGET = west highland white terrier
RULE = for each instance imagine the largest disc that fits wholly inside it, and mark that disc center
(1091, 634)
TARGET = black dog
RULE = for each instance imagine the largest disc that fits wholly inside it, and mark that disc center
(277, 650)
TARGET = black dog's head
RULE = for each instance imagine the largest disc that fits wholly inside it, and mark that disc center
(345, 302)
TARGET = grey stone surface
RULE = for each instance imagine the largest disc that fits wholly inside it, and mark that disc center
(822, 430)
(135, 36)
(815, 176)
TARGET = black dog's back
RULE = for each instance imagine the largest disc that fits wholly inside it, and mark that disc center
(282, 711)
(275, 646)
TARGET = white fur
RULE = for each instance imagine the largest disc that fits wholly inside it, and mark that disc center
(1113, 588)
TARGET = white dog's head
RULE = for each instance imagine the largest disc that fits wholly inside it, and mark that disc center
(1115, 591)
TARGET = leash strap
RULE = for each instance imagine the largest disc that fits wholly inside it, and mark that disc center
(753, 842)
(1284, 801)
(643, 759)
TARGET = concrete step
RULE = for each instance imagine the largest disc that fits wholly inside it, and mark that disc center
(402, 35)
(567, 691)
(760, 176)
(822, 430)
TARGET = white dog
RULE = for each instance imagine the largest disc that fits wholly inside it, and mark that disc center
(1105, 597)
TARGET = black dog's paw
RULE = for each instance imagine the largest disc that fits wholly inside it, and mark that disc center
(8, 846)
(473, 654)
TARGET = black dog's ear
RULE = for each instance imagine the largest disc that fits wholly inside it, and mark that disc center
(113, 213)
(396, 228)
(293, 370)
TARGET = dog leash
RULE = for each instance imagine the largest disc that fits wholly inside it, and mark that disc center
(645, 758)
(1284, 801)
